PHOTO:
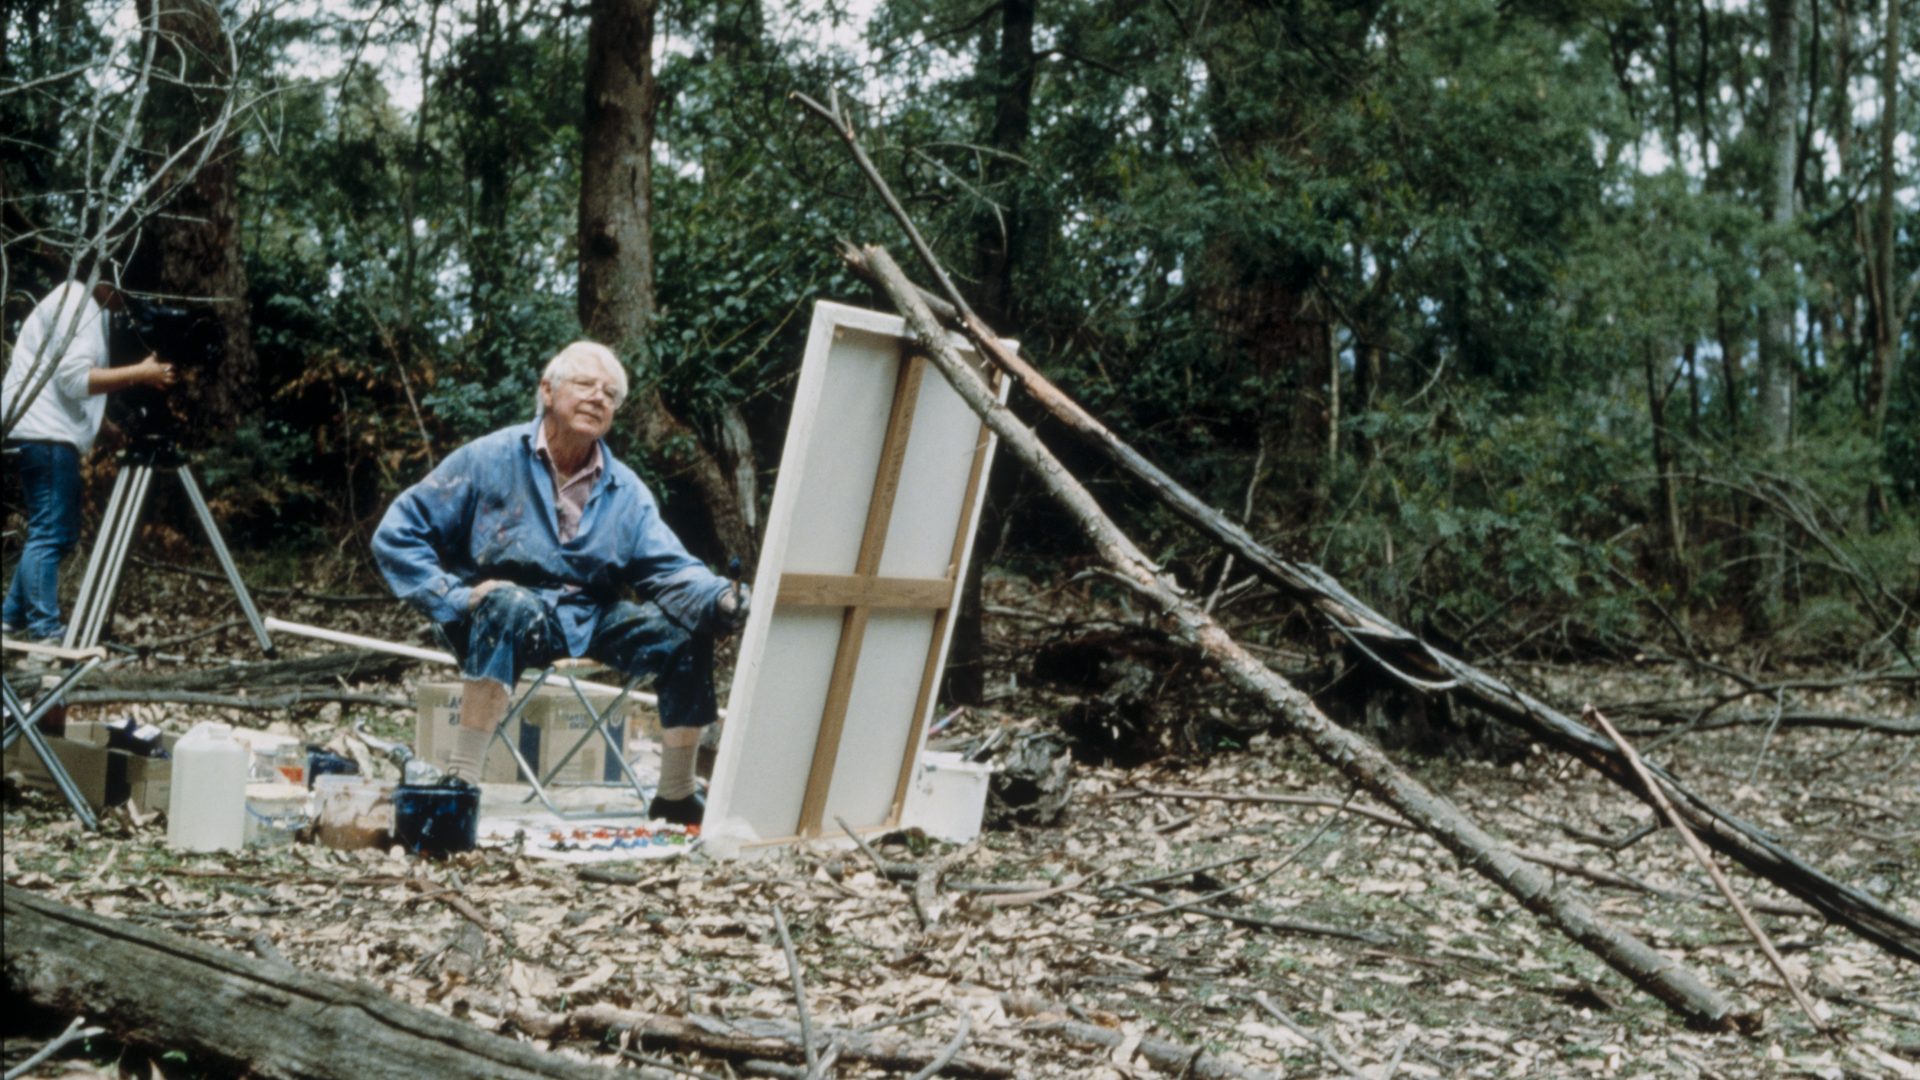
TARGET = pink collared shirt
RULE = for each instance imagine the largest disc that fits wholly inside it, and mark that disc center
(569, 492)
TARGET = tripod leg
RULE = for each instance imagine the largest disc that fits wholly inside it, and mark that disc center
(212, 528)
(19, 723)
(96, 559)
(121, 541)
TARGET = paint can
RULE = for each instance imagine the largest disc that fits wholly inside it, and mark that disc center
(437, 819)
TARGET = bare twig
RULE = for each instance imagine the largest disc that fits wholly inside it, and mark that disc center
(668, 1066)
(1318, 1040)
(1699, 852)
(74, 1033)
(1168, 909)
(926, 889)
(1327, 801)
(949, 1052)
(799, 992)
(1020, 899)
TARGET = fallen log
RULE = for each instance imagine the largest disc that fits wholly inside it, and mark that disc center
(296, 672)
(266, 703)
(741, 1040)
(1425, 669)
(1679, 722)
(158, 989)
(1358, 758)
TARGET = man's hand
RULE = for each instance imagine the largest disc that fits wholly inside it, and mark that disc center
(481, 590)
(152, 372)
(730, 611)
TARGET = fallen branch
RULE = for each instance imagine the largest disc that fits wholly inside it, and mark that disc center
(1788, 908)
(258, 590)
(429, 890)
(75, 1032)
(1329, 803)
(1390, 648)
(158, 989)
(1317, 1040)
(926, 887)
(799, 991)
(234, 701)
(1828, 721)
(949, 1052)
(739, 1040)
(297, 672)
(1362, 761)
(1706, 862)
(1034, 896)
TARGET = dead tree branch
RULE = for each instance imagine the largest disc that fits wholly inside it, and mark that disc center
(159, 989)
(1404, 657)
(1706, 862)
(1358, 758)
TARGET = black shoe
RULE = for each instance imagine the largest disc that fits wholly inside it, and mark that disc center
(687, 811)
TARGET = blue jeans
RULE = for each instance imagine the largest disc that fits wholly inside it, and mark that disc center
(50, 475)
(513, 630)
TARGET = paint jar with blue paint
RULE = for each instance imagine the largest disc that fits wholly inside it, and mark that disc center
(324, 762)
(437, 819)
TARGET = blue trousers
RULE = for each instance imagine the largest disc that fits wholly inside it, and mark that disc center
(50, 475)
(513, 629)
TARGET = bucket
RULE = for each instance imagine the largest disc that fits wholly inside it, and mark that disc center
(352, 811)
(437, 820)
(275, 814)
(207, 806)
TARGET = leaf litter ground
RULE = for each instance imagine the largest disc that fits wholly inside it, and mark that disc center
(1413, 967)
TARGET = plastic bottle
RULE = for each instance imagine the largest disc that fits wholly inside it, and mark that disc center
(207, 810)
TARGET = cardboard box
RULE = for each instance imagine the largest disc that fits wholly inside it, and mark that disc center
(105, 777)
(546, 729)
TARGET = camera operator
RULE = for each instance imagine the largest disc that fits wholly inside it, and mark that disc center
(68, 330)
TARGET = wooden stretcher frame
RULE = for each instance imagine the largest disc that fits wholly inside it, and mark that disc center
(881, 456)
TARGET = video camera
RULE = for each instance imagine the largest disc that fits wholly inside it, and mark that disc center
(186, 337)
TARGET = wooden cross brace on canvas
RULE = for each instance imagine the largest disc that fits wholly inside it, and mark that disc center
(864, 591)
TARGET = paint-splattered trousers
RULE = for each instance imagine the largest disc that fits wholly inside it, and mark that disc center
(513, 630)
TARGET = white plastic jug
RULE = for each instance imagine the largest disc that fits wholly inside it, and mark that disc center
(207, 809)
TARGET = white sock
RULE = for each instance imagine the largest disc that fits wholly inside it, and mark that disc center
(469, 751)
(676, 770)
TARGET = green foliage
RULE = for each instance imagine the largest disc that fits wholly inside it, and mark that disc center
(1514, 232)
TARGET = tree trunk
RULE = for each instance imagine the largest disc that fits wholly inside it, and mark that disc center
(1885, 287)
(192, 247)
(1773, 421)
(1358, 758)
(1673, 530)
(998, 240)
(616, 302)
(263, 1019)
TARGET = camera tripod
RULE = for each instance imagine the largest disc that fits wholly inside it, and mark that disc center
(101, 583)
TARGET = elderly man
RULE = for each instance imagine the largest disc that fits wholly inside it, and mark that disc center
(520, 546)
(56, 377)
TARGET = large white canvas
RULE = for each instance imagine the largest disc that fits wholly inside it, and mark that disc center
(821, 504)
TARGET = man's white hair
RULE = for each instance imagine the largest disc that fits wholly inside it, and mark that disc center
(585, 358)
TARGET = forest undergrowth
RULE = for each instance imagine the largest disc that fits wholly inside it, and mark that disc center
(1285, 938)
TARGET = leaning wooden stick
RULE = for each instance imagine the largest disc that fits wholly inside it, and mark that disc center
(1360, 759)
(1700, 855)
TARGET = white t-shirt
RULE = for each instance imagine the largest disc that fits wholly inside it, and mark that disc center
(63, 411)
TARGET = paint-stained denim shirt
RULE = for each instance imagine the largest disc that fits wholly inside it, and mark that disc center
(488, 512)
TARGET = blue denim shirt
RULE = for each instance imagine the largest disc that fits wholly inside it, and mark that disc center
(488, 512)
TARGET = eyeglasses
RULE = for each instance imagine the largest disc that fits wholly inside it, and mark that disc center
(588, 386)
